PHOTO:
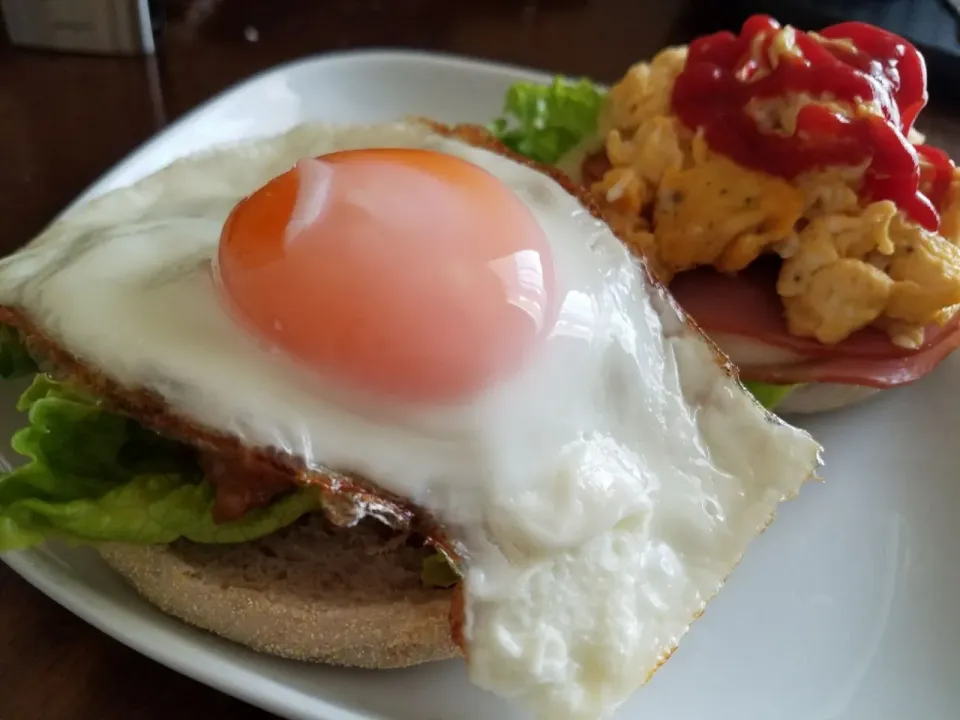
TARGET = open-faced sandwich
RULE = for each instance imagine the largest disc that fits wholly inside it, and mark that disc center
(297, 388)
(773, 179)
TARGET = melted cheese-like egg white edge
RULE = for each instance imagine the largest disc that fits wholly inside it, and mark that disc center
(603, 495)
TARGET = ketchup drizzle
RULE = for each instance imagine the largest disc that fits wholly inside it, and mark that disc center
(850, 63)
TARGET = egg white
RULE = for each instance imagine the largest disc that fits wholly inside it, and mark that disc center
(602, 495)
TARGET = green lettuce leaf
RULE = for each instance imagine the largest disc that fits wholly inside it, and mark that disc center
(769, 395)
(542, 122)
(438, 572)
(15, 361)
(95, 476)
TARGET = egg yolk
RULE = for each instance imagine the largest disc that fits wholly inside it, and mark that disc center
(406, 273)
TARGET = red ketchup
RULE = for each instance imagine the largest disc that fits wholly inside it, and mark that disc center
(724, 72)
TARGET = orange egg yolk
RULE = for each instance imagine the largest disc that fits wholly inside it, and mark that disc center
(405, 273)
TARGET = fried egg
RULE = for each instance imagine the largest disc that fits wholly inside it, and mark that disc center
(454, 325)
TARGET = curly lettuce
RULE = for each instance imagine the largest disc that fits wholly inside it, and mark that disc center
(770, 396)
(92, 476)
(543, 122)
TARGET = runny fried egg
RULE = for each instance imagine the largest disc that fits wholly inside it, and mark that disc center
(455, 326)
(459, 293)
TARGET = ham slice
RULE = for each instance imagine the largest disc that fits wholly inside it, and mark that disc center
(879, 373)
(747, 305)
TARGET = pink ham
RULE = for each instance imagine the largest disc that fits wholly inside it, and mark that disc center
(870, 372)
(747, 305)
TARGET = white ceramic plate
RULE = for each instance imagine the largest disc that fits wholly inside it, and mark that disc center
(845, 608)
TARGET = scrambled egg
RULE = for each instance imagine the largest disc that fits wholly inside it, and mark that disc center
(746, 214)
(845, 265)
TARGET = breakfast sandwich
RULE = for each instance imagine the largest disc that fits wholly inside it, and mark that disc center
(378, 395)
(774, 180)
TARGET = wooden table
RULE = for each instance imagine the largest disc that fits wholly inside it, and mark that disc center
(65, 119)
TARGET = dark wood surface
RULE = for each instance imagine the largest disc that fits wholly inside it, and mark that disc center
(66, 119)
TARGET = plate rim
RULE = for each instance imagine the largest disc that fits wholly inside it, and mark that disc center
(362, 55)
